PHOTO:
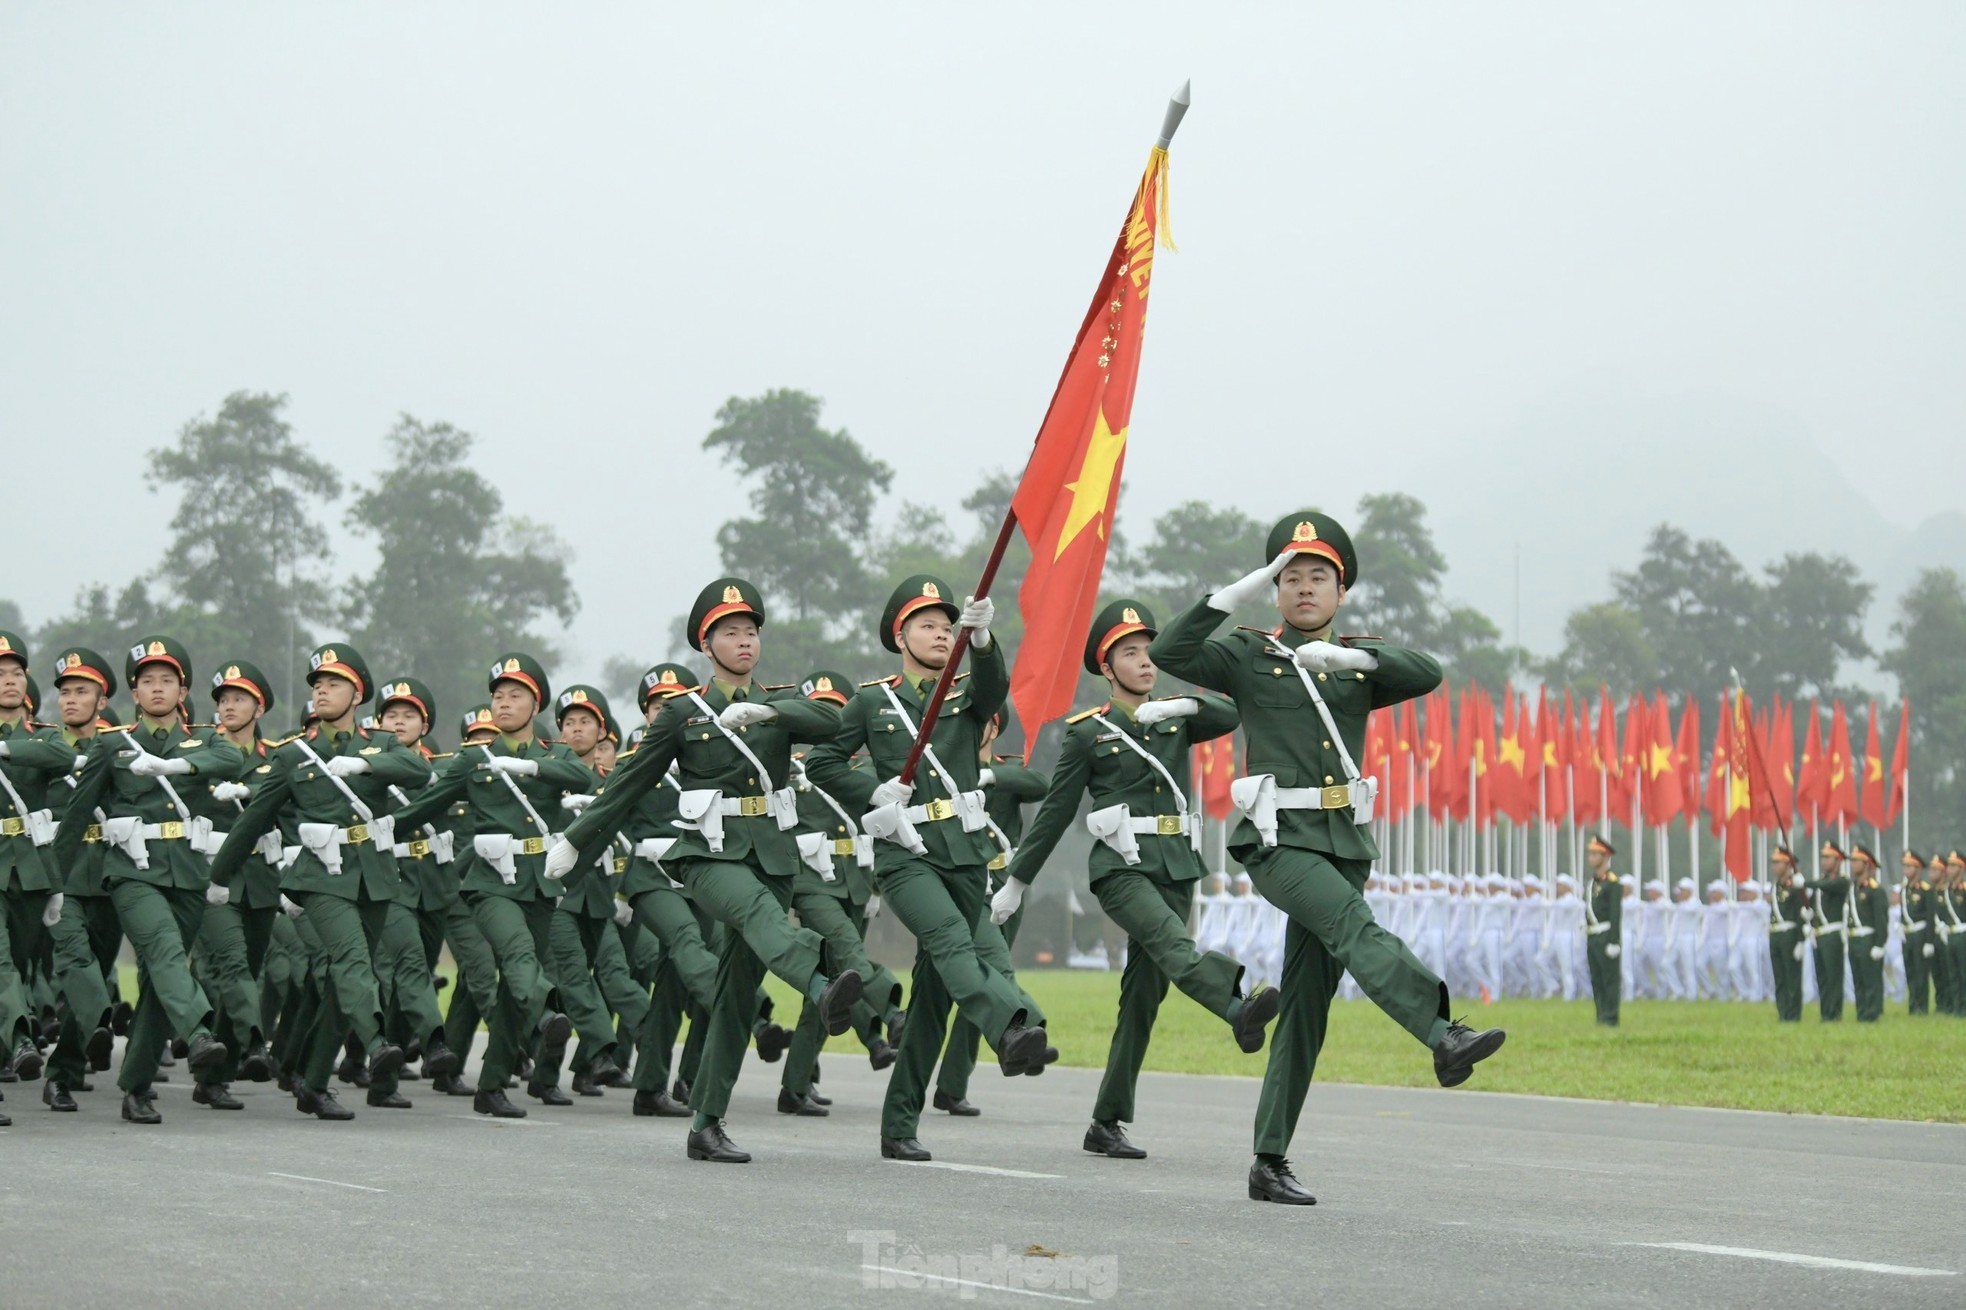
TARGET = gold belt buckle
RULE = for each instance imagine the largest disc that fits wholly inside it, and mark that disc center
(92, 833)
(940, 810)
(999, 863)
(358, 834)
(420, 847)
(532, 846)
(753, 806)
(621, 864)
(12, 827)
(843, 846)
(171, 831)
(1168, 825)
(1336, 798)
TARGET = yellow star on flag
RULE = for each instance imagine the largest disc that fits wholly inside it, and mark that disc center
(1095, 481)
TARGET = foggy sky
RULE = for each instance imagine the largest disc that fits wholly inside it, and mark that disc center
(576, 230)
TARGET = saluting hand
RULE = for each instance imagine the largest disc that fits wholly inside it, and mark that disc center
(1249, 588)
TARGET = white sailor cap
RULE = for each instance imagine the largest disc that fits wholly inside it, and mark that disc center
(1687, 883)
(1565, 880)
(1496, 882)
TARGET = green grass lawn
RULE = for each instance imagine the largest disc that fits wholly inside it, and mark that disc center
(1710, 1053)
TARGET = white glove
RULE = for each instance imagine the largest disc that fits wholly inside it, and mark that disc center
(560, 858)
(1877, 952)
(1005, 902)
(746, 712)
(1927, 951)
(892, 792)
(986, 777)
(5, 750)
(1613, 951)
(513, 765)
(51, 912)
(1252, 587)
(873, 908)
(1325, 657)
(146, 765)
(575, 803)
(217, 894)
(231, 791)
(290, 908)
(624, 913)
(977, 616)
(347, 766)
(1154, 711)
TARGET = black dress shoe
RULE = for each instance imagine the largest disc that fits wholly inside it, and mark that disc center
(326, 1107)
(382, 1100)
(1024, 1051)
(55, 1096)
(352, 1071)
(583, 1085)
(554, 1032)
(547, 1094)
(816, 1096)
(880, 1054)
(904, 1148)
(27, 1062)
(955, 1105)
(680, 1091)
(451, 1084)
(180, 1048)
(141, 1108)
(800, 1105)
(659, 1105)
(102, 1043)
(217, 1095)
(604, 1072)
(1110, 1140)
(203, 1051)
(1275, 1182)
(438, 1060)
(772, 1040)
(895, 1027)
(384, 1059)
(714, 1144)
(255, 1066)
(284, 1081)
(1460, 1048)
(120, 1015)
(837, 1001)
(85, 1085)
(495, 1104)
(413, 1050)
(1254, 1018)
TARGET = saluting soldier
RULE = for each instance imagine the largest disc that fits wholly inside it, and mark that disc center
(1869, 917)
(1147, 859)
(1604, 920)
(732, 744)
(512, 784)
(1008, 785)
(156, 879)
(239, 912)
(87, 937)
(1788, 928)
(1304, 835)
(931, 864)
(1830, 901)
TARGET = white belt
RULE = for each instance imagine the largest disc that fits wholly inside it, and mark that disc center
(1336, 797)
(1829, 928)
(969, 807)
(38, 826)
(501, 851)
(443, 846)
(653, 849)
(703, 810)
(1862, 932)
(1595, 928)
(1783, 926)
(1914, 925)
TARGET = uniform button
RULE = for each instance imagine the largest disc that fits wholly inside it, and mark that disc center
(1361, 677)
(1320, 677)
(1275, 672)
(1327, 745)
(1327, 780)
(752, 781)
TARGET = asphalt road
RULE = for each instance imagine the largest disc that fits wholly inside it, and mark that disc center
(1424, 1198)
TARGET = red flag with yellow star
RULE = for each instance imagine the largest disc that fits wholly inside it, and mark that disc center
(1071, 487)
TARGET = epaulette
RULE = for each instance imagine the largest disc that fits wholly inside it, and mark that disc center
(1360, 636)
(779, 686)
(276, 745)
(1086, 714)
(960, 676)
(1261, 632)
(888, 681)
(201, 727)
(442, 755)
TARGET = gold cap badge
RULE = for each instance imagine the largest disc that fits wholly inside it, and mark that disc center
(732, 596)
(1306, 531)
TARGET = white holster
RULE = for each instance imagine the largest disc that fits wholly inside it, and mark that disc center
(495, 849)
(201, 836)
(891, 823)
(127, 835)
(40, 826)
(269, 847)
(653, 849)
(324, 839)
(1114, 826)
(863, 850)
(1256, 796)
(702, 810)
(443, 847)
(816, 849)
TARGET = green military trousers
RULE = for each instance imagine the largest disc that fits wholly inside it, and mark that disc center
(518, 934)
(232, 944)
(87, 940)
(1829, 975)
(993, 943)
(1785, 958)
(1867, 977)
(1607, 977)
(346, 935)
(624, 998)
(406, 988)
(474, 992)
(573, 944)
(1918, 971)
(843, 926)
(162, 924)
(1154, 916)
(685, 980)
(1329, 930)
(1955, 949)
(941, 907)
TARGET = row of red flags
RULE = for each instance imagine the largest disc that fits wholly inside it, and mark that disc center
(1457, 755)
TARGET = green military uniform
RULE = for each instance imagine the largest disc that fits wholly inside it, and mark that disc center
(1788, 930)
(514, 786)
(1008, 785)
(29, 762)
(1312, 863)
(1604, 938)
(737, 855)
(936, 885)
(156, 879)
(1917, 905)
(1951, 928)
(1144, 867)
(475, 991)
(1870, 927)
(333, 785)
(1830, 901)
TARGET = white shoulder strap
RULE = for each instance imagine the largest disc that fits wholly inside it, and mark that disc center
(764, 774)
(1323, 710)
(1180, 796)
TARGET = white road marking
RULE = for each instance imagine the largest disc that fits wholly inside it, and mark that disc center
(491, 1119)
(970, 1282)
(1812, 1261)
(303, 1178)
(1565, 1168)
(972, 1168)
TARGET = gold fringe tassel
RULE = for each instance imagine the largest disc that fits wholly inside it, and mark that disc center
(1157, 167)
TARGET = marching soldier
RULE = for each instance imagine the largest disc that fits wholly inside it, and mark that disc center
(1830, 900)
(30, 890)
(1916, 902)
(1952, 936)
(930, 867)
(1304, 836)
(732, 744)
(474, 994)
(156, 879)
(333, 784)
(1604, 918)
(1147, 860)
(1787, 933)
(512, 784)
(1869, 918)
